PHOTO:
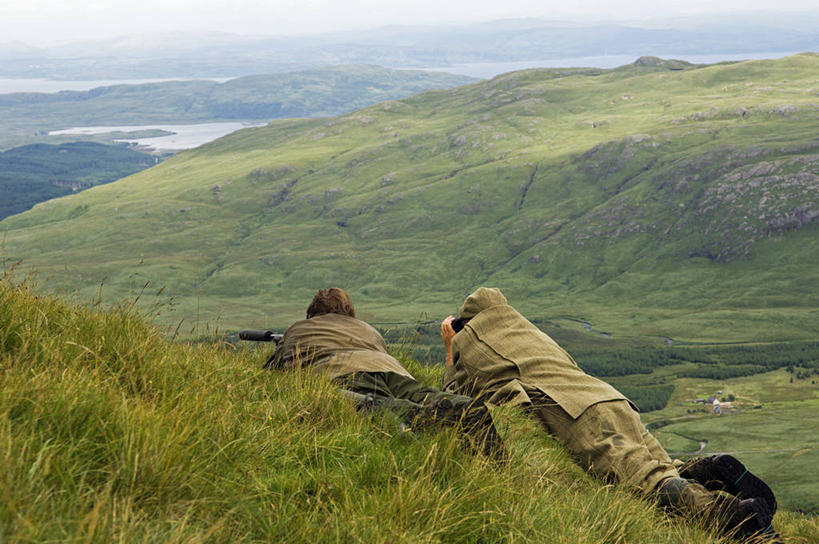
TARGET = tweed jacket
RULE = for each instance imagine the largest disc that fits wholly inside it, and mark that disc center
(336, 346)
(499, 356)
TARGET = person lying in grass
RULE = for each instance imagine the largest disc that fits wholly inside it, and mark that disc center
(352, 353)
(494, 354)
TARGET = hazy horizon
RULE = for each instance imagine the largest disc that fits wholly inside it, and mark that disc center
(47, 23)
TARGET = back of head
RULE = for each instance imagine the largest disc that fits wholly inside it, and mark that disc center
(483, 298)
(331, 301)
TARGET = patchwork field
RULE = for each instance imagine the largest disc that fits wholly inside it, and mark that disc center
(772, 427)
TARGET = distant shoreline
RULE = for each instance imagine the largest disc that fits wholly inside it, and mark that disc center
(176, 138)
(484, 70)
(43, 85)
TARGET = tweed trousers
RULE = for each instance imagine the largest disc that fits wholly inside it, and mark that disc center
(609, 440)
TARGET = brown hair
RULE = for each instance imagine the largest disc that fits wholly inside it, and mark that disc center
(331, 301)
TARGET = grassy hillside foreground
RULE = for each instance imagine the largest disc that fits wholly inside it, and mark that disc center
(108, 432)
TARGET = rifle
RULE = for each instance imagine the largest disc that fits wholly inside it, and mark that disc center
(261, 336)
(253, 335)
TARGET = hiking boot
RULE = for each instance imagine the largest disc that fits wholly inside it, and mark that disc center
(743, 519)
(747, 520)
(727, 473)
(669, 495)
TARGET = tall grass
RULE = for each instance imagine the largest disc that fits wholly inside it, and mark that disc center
(111, 433)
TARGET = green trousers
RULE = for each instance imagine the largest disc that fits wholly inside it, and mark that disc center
(422, 406)
(610, 441)
(401, 393)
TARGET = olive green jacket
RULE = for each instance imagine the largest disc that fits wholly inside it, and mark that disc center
(336, 346)
(499, 355)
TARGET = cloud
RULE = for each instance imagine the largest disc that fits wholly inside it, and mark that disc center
(62, 20)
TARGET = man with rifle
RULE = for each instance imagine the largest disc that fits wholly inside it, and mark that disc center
(496, 355)
(350, 352)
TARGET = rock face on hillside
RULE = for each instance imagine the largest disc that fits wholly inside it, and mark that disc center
(724, 200)
(657, 62)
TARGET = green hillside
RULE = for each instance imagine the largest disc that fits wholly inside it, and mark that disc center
(111, 433)
(658, 199)
(323, 92)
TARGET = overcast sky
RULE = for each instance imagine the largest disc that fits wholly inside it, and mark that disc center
(45, 22)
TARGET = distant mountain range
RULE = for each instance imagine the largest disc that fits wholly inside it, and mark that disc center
(27, 117)
(660, 198)
(222, 55)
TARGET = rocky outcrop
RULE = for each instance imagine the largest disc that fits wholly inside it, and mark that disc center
(716, 205)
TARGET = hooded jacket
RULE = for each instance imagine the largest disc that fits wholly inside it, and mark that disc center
(499, 356)
(336, 346)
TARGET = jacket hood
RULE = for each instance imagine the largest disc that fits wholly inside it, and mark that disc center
(483, 298)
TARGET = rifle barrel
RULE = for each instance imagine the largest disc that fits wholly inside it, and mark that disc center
(260, 336)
